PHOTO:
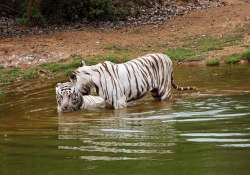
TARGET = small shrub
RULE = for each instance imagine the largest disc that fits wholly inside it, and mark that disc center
(116, 48)
(213, 62)
(22, 21)
(232, 59)
(246, 55)
(105, 58)
(29, 73)
(63, 67)
(209, 44)
(180, 53)
(1, 93)
(9, 75)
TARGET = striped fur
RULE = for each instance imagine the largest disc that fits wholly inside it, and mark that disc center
(69, 99)
(118, 84)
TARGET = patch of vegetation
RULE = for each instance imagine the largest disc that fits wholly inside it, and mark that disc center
(10, 75)
(230, 40)
(180, 54)
(1, 93)
(209, 43)
(62, 67)
(102, 58)
(206, 44)
(114, 47)
(116, 54)
(22, 21)
(213, 62)
(246, 55)
(232, 59)
(29, 73)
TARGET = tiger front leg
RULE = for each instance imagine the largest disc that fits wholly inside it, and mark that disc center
(119, 103)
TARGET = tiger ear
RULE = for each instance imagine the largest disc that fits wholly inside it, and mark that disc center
(73, 77)
(58, 84)
(83, 63)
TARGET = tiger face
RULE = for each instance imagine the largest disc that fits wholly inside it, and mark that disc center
(83, 79)
(68, 97)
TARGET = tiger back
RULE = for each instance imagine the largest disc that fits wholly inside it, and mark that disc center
(118, 84)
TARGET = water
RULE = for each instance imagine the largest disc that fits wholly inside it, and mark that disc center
(205, 132)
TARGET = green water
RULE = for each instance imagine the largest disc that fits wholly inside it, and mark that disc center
(205, 132)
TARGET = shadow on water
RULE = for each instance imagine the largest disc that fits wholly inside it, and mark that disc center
(205, 132)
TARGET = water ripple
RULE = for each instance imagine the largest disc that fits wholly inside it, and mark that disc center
(247, 145)
(217, 140)
(121, 130)
(214, 134)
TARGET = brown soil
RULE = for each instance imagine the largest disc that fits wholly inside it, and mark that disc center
(31, 50)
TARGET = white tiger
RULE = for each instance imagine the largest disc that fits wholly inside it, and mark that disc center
(70, 99)
(118, 84)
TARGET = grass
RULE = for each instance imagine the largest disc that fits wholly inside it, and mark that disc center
(246, 55)
(232, 59)
(180, 54)
(65, 68)
(116, 48)
(22, 21)
(213, 62)
(10, 75)
(1, 93)
(115, 53)
(30, 73)
(111, 57)
(208, 43)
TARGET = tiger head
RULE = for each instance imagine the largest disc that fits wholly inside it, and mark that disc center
(84, 78)
(68, 97)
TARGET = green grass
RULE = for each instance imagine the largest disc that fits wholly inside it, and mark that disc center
(116, 48)
(1, 93)
(110, 57)
(213, 62)
(65, 68)
(10, 75)
(233, 39)
(209, 43)
(22, 21)
(246, 55)
(206, 44)
(232, 59)
(29, 73)
(180, 54)
(115, 53)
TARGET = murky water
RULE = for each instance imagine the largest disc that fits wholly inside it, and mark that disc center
(205, 132)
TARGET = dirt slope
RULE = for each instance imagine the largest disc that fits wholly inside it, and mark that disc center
(219, 21)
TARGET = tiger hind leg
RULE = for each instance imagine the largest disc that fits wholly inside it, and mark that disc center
(161, 95)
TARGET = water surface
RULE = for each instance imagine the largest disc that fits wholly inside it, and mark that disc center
(204, 132)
